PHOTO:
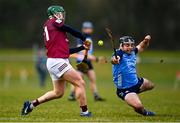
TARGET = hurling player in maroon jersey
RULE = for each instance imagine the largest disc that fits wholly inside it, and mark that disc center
(60, 70)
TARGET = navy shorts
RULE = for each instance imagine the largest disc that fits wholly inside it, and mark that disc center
(121, 93)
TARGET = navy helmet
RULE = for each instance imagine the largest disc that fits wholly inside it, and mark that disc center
(126, 39)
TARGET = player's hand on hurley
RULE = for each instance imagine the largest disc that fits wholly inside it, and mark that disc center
(87, 44)
(87, 48)
(114, 60)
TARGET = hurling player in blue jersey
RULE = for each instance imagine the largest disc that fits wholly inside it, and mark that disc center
(87, 29)
(125, 78)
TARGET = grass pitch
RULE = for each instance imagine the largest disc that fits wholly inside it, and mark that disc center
(163, 100)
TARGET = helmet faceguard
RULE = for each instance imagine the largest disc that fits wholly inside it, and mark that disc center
(56, 11)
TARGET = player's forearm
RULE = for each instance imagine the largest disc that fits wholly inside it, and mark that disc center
(75, 50)
(73, 32)
(144, 44)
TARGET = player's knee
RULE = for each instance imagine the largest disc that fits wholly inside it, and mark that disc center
(80, 93)
(58, 94)
(151, 85)
(80, 83)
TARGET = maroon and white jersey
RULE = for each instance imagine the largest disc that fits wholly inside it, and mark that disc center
(56, 40)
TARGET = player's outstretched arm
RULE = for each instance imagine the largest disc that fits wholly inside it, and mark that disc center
(73, 32)
(75, 50)
(144, 44)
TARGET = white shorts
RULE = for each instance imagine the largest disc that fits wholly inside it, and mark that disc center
(57, 67)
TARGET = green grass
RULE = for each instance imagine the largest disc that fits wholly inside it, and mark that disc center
(163, 99)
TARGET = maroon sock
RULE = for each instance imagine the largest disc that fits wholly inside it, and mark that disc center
(84, 108)
(35, 102)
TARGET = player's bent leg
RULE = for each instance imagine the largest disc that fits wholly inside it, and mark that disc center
(133, 100)
(147, 85)
(57, 92)
(72, 96)
(75, 78)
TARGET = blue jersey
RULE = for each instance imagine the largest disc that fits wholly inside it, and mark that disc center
(80, 42)
(124, 73)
